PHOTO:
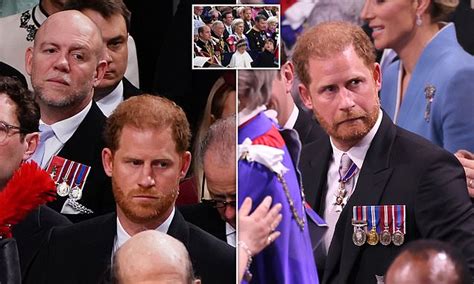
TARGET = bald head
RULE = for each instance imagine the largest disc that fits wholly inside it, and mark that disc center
(73, 23)
(428, 262)
(65, 64)
(153, 257)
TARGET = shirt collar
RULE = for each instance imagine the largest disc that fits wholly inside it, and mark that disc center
(230, 234)
(65, 128)
(123, 236)
(110, 102)
(39, 16)
(290, 123)
(357, 152)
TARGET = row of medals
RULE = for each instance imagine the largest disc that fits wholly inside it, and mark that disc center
(64, 189)
(360, 236)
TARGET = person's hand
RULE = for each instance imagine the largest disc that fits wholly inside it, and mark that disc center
(257, 230)
(467, 161)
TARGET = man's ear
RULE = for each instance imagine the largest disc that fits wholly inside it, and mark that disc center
(29, 60)
(186, 162)
(31, 143)
(99, 72)
(377, 74)
(108, 161)
(288, 70)
(305, 96)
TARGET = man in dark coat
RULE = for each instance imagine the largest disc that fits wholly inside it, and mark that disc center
(378, 186)
(146, 157)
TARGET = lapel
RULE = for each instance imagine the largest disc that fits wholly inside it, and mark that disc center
(179, 229)
(129, 90)
(83, 144)
(314, 165)
(370, 186)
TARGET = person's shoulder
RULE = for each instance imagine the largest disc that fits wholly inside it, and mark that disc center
(85, 227)
(209, 243)
(49, 218)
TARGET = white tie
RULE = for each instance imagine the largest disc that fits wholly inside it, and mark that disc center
(46, 132)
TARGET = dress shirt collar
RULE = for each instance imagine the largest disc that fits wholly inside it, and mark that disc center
(290, 123)
(110, 102)
(65, 128)
(357, 152)
(230, 234)
(123, 236)
(39, 16)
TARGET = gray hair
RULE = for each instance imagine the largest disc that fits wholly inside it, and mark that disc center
(220, 139)
(255, 87)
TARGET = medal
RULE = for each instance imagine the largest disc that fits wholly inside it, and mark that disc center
(398, 214)
(359, 221)
(385, 236)
(430, 91)
(76, 191)
(62, 188)
(372, 236)
(341, 193)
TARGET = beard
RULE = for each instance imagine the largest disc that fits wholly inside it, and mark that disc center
(61, 98)
(353, 131)
(146, 211)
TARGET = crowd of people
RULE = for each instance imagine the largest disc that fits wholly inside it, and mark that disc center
(236, 36)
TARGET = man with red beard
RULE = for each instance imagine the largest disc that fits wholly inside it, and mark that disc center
(377, 186)
(146, 156)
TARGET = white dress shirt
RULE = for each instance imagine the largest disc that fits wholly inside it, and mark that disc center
(230, 234)
(357, 154)
(63, 131)
(290, 123)
(110, 102)
(122, 235)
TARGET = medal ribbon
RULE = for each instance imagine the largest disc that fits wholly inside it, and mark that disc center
(399, 217)
(78, 181)
(370, 218)
(68, 171)
(66, 161)
(76, 166)
(403, 225)
(376, 218)
(349, 174)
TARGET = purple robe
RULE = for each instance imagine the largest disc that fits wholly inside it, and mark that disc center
(289, 259)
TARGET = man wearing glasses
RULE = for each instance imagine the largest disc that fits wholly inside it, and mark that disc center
(217, 215)
(19, 120)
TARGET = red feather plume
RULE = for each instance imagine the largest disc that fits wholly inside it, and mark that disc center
(29, 187)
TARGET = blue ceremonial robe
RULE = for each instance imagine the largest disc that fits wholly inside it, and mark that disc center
(446, 66)
(290, 258)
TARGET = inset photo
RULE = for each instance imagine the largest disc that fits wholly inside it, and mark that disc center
(236, 36)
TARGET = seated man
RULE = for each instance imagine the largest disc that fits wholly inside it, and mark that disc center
(217, 216)
(19, 119)
(159, 258)
(147, 138)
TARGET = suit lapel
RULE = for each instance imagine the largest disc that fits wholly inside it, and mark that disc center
(178, 229)
(370, 186)
(314, 164)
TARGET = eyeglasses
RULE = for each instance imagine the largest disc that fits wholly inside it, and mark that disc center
(219, 203)
(6, 130)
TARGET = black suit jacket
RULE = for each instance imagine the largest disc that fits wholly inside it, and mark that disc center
(308, 128)
(81, 253)
(85, 146)
(205, 217)
(400, 168)
(129, 90)
(248, 27)
(32, 232)
(264, 13)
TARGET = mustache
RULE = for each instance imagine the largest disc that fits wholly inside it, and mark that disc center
(350, 116)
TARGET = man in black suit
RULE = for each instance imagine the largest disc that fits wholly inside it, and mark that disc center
(247, 17)
(217, 216)
(19, 119)
(290, 115)
(146, 157)
(227, 19)
(113, 19)
(65, 65)
(369, 165)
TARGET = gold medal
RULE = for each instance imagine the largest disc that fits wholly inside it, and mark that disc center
(372, 237)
